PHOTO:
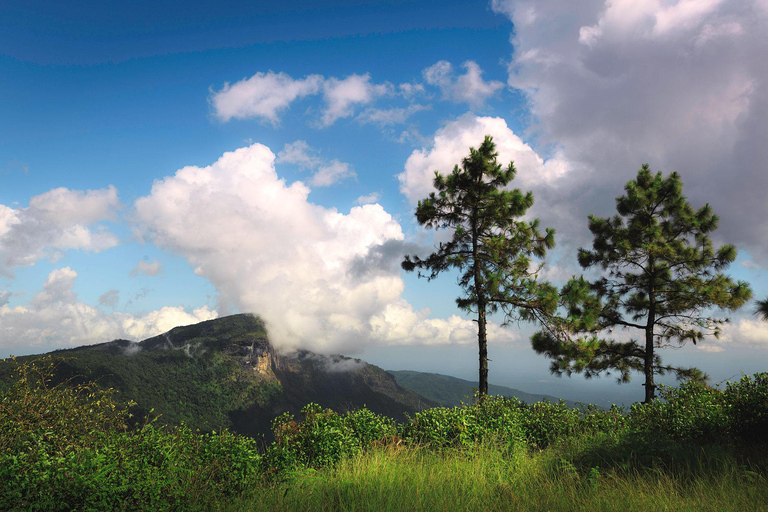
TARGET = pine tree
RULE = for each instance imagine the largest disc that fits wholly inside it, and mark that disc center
(662, 279)
(762, 309)
(490, 247)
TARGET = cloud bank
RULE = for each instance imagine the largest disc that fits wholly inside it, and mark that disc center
(56, 221)
(55, 318)
(681, 85)
(265, 96)
(269, 250)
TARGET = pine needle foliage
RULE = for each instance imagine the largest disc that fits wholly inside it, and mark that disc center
(492, 249)
(762, 309)
(662, 279)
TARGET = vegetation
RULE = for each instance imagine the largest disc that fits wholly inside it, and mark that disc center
(207, 376)
(762, 309)
(663, 277)
(65, 447)
(489, 246)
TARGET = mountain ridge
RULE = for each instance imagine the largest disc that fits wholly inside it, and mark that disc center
(451, 391)
(225, 373)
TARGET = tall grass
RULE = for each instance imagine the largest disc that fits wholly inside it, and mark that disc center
(489, 478)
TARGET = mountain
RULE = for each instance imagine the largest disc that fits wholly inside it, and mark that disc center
(450, 391)
(225, 373)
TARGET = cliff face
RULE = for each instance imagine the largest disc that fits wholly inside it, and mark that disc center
(224, 373)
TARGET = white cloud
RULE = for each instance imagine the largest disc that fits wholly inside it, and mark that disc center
(400, 324)
(332, 173)
(341, 96)
(371, 198)
(301, 154)
(679, 84)
(451, 144)
(322, 280)
(163, 320)
(746, 331)
(264, 95)
(56, 221)
(325, 173)
(391, 116)
(467, 88)
(147, 268)
(54, 318)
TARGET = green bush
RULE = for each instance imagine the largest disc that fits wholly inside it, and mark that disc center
(65, 447)
(491, 419)
(323, 438)
(746, 403)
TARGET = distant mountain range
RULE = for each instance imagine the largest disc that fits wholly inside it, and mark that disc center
(450, 391)
(225, 373)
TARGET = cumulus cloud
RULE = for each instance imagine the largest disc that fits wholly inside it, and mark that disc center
(681, 85)
(301, 154)
(147, 268)
(331, 173)
(325, 173)
(373, 197)
(467, 88)
(451, 144)
(55, 318)
(341, 96)
(270, 251)
(264, 96)
(56, 221)
(749, 332)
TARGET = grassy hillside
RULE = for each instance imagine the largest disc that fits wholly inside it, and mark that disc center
(224, 373)
(65, 447)
(451, 391)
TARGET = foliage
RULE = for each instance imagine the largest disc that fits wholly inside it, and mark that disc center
(762, 309)
(662, 278)
(66, 447)
(63, 448)
(323, 438)
(489, 246)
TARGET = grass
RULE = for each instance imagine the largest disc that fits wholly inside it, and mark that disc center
(489, 478)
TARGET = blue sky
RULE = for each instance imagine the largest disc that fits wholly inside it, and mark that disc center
(164, 164)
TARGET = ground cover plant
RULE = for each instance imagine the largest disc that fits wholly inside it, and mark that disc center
(695, 448)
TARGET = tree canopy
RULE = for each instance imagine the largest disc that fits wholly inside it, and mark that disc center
(490, 247)
(662, 278)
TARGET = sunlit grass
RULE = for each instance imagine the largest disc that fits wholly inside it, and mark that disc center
(488, 478)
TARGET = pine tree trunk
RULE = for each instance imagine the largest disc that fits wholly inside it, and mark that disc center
(650, 386)
(482, 340)
(482, 343)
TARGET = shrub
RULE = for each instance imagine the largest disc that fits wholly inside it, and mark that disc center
(746, 403)
(491, 419)
(67, 447)
(691, 412)
(323, 438)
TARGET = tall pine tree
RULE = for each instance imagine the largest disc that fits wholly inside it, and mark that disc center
(662, 278)
(491, 248)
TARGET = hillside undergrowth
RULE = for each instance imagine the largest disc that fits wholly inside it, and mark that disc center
(67, 446)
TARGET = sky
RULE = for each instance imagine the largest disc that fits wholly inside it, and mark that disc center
(164, 163)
